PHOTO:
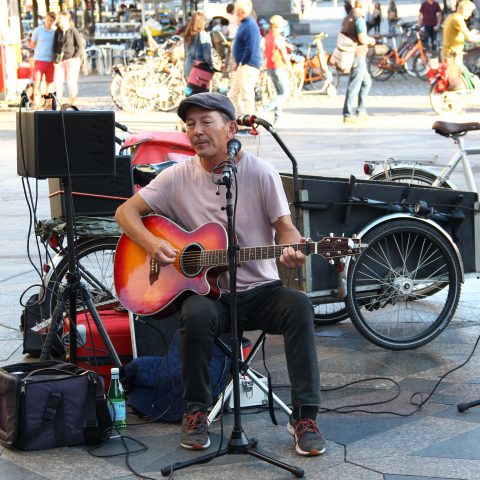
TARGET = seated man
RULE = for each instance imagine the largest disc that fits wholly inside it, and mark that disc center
(186, 194)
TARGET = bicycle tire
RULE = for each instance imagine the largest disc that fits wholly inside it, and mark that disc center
(380, 67)
(382, 296)
(115, 86)
(329, 313)
(95, 259)
(472, 60)
(316, 80)
(415, 176)
(171, 92)
(450, 101)
(138, 91)
(421, 68)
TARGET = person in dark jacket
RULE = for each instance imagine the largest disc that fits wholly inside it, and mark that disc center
(246, 59)
(67, 55)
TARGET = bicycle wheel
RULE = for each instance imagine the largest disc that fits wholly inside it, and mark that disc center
(317, 80)
(472, 60)
(380, 67)
(139, 90)
(386, 285)
(95, 261)
(328, 313)
(171, 92)
(414, 176)
(420, 67)
(450, 101)
(115, 90)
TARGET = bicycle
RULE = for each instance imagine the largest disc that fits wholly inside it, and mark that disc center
(411, 57)
(397, 171)
(317, 74)
(445, 99)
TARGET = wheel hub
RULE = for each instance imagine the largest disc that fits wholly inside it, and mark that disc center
(403, 285)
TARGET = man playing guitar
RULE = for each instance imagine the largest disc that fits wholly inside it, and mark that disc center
(186, 193)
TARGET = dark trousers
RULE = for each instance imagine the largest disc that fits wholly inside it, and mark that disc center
(272, 308)
(430, 36)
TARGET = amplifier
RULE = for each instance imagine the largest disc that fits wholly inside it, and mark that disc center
(46, 139)
(118, 185)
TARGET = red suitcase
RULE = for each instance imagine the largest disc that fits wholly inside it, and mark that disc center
(91, 351)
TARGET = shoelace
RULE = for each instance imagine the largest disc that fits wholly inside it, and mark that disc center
(196, 420)
(305, 425)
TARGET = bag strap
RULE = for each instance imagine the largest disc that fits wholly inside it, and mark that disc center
(53, 413)
(97, 417)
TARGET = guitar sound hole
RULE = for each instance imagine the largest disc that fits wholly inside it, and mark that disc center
(190, 260)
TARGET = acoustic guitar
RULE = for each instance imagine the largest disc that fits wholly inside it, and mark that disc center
(144, 287)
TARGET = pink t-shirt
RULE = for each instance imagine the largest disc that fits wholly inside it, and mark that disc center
(186, 194)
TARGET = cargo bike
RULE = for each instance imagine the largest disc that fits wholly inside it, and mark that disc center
(400, 292)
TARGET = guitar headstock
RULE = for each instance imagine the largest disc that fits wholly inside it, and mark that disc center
(333, 247)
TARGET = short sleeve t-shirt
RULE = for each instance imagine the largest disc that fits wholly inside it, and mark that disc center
(44, 40)
(453, 37)
(429, 13)
(186, 194)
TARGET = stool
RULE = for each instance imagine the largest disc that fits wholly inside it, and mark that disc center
(245, 371)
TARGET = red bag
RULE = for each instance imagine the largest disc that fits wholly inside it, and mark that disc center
(200, 75)
(91, 351)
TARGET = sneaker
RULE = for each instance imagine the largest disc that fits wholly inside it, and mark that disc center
(195, 431)
(362, 117)
(350, 120)
(309, 440)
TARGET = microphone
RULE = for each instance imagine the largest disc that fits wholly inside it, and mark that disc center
(246, 120)
(251, 120)
(233, 147)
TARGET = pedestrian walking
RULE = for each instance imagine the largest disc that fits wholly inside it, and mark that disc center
(198, 50)
(42, 43)
(68, 52)
(392, 17)
(377, 17)
(278, 64)
(359, 82)
(246, 59)
(430, 18)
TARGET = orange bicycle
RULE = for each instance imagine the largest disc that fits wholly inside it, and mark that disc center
(317, 74)
(411, 57)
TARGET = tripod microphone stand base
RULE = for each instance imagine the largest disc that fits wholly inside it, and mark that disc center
(238, 444)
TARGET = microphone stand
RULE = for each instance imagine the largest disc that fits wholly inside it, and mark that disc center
(238, 443)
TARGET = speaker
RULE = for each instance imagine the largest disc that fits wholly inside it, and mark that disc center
(88, 203)
(46, 139)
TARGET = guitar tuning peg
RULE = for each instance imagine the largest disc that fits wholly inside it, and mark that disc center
(331, 262)
(331, 234)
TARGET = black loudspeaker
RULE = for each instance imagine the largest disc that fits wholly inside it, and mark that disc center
(45, 137)
(154, 333)
(90, 194)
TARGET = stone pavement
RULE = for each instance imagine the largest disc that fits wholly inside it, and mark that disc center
(435, 443)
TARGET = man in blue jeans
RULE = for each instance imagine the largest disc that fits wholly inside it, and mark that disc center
(359, 82)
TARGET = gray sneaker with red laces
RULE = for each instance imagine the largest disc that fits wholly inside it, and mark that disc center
(309, 440)
(195, 430)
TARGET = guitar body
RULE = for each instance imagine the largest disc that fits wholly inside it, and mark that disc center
(145, 289)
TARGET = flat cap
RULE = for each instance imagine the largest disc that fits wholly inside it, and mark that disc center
(209, 101)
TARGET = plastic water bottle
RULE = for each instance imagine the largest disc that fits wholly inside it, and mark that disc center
(116, 405)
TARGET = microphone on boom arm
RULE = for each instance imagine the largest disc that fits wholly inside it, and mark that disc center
(251, 120)
(233, 147)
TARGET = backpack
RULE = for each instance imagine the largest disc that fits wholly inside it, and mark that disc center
(154, 384)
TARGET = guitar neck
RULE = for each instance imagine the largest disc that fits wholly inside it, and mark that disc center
(325, 247)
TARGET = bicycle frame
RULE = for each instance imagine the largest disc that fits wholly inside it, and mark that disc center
(460, 155)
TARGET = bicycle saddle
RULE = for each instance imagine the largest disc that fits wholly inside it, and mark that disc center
(144, 174)
(448, 129)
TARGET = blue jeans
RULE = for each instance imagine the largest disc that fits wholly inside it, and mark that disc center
(359, 84)
(279, 77)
